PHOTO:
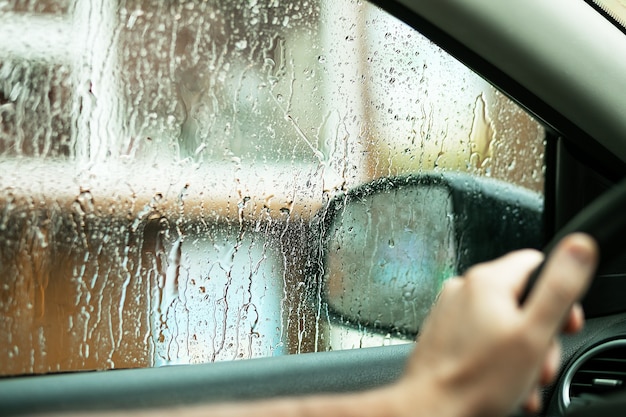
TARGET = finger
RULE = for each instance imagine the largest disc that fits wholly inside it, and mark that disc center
(512, 270)
(452, 284)
(575, 321)
(564, 280)
(533, 402)
(449, 287)
(551, 364)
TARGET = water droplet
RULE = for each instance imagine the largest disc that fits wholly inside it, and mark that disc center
(170, 286)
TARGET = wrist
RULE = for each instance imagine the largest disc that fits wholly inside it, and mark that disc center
(420, 396)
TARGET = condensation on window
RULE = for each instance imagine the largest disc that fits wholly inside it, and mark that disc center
(34, 6)
(164, 166)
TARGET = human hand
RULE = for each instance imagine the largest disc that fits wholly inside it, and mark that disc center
(482, 354)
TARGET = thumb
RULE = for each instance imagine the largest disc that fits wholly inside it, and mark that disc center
(564, 280)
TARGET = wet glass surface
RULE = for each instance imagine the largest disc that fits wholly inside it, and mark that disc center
(161, 164)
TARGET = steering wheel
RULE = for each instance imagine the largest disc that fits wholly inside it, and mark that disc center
(604, 220)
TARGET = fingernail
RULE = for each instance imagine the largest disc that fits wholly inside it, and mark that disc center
(581, 249)
(579, 254)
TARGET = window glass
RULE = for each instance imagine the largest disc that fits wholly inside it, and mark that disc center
(163, 165)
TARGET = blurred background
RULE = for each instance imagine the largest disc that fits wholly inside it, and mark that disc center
(161, 163)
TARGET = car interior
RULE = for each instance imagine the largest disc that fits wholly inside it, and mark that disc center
(559, 61)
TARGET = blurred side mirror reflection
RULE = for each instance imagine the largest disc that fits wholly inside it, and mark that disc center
(388, 246)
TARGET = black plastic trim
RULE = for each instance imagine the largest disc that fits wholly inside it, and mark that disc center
(621, 25)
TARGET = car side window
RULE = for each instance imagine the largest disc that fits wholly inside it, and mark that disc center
(164, 166)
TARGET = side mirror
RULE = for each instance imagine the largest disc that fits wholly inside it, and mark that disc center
(388, 245)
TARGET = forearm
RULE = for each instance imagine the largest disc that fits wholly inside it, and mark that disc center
(382, 402)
